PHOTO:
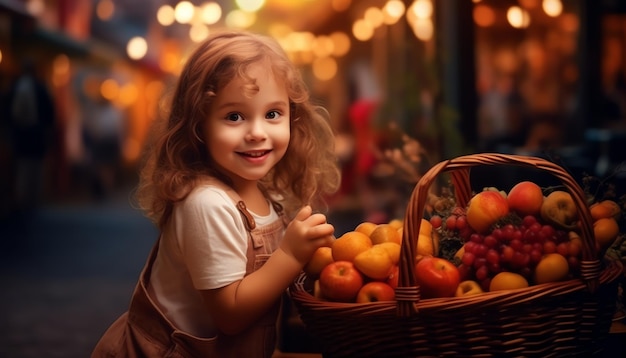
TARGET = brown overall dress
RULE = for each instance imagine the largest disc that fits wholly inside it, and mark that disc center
(144, 331)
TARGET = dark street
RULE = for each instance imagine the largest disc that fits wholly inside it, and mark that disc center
(67, 272)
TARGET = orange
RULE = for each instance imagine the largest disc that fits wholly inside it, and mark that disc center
(321, 257)
(485, 208)
(366, 227)
(385, 233)
(605, 231)
(551, 268)
(397, 223)
(507, 281)
(426, 227)
(374, 263)
(350, 244)
(393, 250)
(427, 245)
(605, 209)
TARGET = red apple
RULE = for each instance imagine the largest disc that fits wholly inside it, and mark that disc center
(375, 291)
(340, 281)
(437, 277)
(525, 198)
(392, 280)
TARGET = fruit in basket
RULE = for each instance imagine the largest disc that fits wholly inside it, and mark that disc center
(605, 209)
(559, 209)
(397, 223)
(385, 233)
(320, 259)
(375, 291)
(366, 227)
(393, 250)
(340, 281)
(374, 263)
(507, 281)
(392, 279)
(350, 244)
(436, 277)
(468, 288)
(525, 198)
(551, 268)
(605, 231)
(317, 291)
(485, 209)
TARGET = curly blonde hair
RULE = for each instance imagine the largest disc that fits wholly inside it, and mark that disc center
(177, 159)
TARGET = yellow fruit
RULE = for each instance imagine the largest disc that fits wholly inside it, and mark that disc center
(350, 244)
(393, 250)
(605, 231)
(366, 228)
(374, 263)
(605, 209)
(426, 227)
(397, 223)
(507, 281)
(321, 257)
(551, 268)
(485, 208)
(385, 233)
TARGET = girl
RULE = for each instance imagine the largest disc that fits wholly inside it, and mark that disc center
(241, 150)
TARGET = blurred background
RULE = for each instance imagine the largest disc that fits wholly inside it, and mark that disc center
(82, 80)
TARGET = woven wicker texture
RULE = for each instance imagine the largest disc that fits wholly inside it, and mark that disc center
(561, 319)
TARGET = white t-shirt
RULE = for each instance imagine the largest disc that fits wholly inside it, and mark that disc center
(202, 247)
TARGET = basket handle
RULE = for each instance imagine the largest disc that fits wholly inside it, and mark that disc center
(407, 293)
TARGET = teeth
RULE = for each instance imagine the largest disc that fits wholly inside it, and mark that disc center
(255, 154)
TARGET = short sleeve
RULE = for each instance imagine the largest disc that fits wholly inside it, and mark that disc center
(212, 238)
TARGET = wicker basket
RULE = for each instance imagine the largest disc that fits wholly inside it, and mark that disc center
(570, 318)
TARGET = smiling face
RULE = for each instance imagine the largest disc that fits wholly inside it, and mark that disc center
(247, 132)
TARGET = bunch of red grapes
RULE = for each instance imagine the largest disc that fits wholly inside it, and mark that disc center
(516, 246)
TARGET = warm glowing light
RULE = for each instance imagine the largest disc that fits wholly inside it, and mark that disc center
(324, 68)
(279, 30)
(240, 19)
(569, 23)
(341, 43)
(374, 16)
(518, 17)
(393, 11)
(60, 70)
(165, 15)
(362, 30)
(109, 89)
(105, 9)
(198, 32)
(128, 94)
(322, 46)
(340, 5)
(35, 7)
(250, 5)
(529, 4)
(423, 29)
(484, 16)
(0, 56)
(422, 9)
(183, 12)
(552, 8)
(137, 48)
(300, 41)
(210, 13)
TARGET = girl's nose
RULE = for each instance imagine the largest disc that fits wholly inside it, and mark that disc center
(256, 131)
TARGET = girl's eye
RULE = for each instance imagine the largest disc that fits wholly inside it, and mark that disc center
(234, 117)
(272, 115)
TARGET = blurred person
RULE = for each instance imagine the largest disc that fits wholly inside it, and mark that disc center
(234, 180)
(32, 123)
(103, 134)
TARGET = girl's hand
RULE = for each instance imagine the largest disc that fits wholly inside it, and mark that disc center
(305, 233)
